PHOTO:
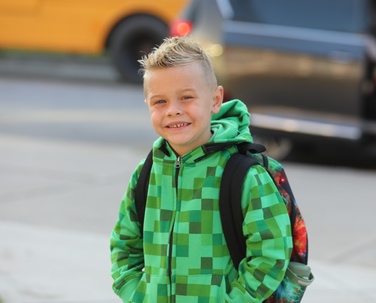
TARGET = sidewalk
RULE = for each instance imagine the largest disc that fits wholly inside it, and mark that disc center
(41, 264)
(58, 203)
(52, 265)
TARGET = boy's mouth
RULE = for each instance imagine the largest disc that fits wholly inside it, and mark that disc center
(177, 125)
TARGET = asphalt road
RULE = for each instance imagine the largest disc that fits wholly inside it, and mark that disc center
(69, 142)
(74, 110)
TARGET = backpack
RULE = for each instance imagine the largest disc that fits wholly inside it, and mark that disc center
(298, 275)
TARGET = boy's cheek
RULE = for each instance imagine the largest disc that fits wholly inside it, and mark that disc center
(153, 113)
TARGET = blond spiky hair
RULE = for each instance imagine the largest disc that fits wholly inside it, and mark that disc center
(176, 52)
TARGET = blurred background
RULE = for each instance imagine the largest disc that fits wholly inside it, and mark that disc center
(73, 126)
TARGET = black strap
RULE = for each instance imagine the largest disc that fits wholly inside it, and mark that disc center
(253, 148)
(230, 204)
(141, 189)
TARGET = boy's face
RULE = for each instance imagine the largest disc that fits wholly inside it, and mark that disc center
(181, 104)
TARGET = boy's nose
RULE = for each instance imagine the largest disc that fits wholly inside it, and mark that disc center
(174, 109)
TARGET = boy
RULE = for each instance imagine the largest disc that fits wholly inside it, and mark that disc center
(181, 255)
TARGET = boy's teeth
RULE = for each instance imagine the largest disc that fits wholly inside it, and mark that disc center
(178, 125)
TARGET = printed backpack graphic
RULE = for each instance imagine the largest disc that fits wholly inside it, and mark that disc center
(298, 275)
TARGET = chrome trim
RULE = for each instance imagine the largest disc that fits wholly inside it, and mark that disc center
(225, 8)
(306, 127)
(348, 46)
(290, 32)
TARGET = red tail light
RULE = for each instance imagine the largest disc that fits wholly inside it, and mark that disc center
(180, 28)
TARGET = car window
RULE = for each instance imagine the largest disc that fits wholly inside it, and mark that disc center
(336, 15)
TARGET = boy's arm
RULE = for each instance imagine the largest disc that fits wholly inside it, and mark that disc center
(269, 241)
(127, 246)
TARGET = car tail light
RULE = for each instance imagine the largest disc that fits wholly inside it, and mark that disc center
(180, 28)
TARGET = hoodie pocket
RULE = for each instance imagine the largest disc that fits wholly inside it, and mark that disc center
(210, 288)
(151, 289)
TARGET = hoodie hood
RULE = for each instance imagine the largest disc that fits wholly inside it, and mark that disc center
(231, 123)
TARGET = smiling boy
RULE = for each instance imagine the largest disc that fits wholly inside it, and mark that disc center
(180, 254)
(181, 101)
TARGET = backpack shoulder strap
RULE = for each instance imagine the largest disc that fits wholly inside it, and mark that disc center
(141, 189)
(230, 204)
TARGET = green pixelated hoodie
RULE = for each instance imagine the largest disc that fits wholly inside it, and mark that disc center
(182, 254)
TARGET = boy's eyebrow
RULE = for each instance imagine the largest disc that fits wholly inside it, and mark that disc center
(156, 96)
(187, 90)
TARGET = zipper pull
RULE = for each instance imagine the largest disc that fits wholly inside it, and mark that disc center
(177, 163)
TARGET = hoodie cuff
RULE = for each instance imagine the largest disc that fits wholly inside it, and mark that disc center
(126, 292)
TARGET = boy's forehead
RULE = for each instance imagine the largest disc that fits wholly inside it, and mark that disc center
(153, 75)
(184, 77)
(157, 91)
(191, 67)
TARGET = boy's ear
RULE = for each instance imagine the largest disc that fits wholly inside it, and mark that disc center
(217, 99)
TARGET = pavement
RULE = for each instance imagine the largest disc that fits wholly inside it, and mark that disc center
(59, 201)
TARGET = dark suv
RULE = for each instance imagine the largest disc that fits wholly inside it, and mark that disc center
(305, 69)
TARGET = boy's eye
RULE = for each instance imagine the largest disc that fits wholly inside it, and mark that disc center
(186, 97)
(159, 102)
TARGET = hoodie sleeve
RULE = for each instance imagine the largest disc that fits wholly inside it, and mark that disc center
(126, 245)
(268, 239)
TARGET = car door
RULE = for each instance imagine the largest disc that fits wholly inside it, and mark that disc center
(300, 57)
(8, 7)
(15, 16)
(53, 25)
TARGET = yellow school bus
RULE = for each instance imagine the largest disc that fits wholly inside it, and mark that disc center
(124, 28)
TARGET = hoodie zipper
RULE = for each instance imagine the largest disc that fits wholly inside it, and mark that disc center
(177, 169)
(177, 166)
